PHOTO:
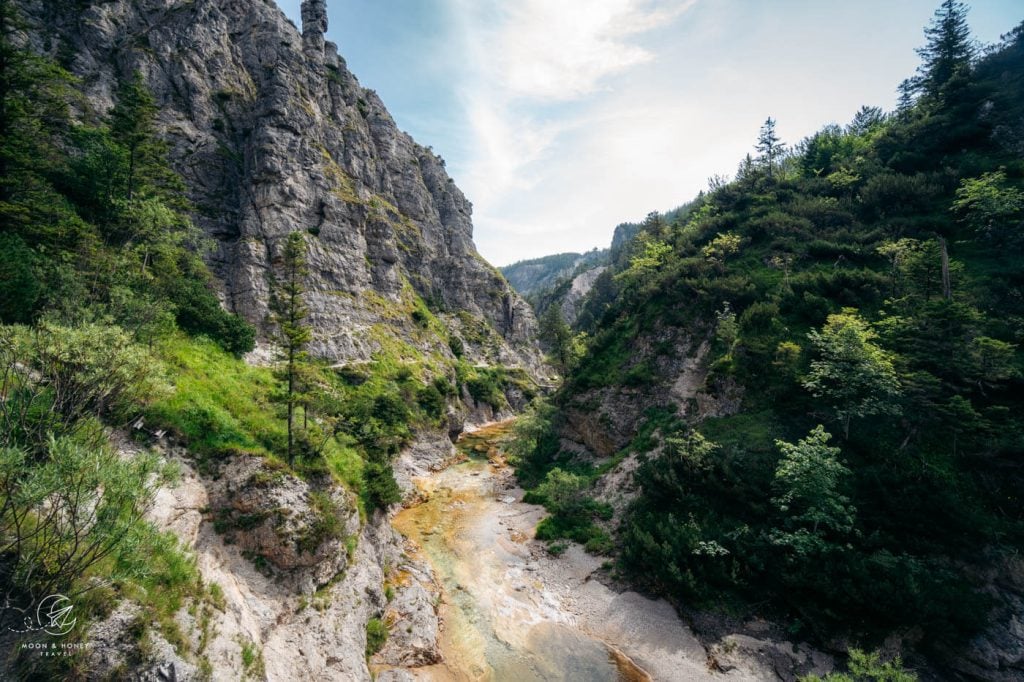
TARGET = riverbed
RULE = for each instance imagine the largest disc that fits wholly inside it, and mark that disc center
(509, 610)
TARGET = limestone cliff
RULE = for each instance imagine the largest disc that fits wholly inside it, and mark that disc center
(273, 134)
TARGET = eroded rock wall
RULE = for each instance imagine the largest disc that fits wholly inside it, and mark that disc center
(273, 134)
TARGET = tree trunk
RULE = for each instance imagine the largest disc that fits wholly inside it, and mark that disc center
(291, 400)
(947, 288)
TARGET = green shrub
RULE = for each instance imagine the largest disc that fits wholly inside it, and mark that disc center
(199, 312)
(431, 401)
(327, 524)
(376, 635)
(379, 487)
(456, 346)
(22, 288)
(865, 667)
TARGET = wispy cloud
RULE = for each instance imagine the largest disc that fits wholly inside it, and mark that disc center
(536, 69)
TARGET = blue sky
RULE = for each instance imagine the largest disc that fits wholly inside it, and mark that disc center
(561, 118)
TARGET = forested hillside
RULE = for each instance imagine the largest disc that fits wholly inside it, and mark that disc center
(816, 374)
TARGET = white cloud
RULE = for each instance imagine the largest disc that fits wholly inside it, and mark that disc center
(535, 71)
(557, 51)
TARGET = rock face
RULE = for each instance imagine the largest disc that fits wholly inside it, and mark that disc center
(273, 134)
(292, 530)
(578, 289)
(604, 419)
(268, 607)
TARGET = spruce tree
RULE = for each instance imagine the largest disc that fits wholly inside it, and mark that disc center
(288, 313)
(133, 126)
(33, 120)
(769, 146)
(556, 334)
(949, 51)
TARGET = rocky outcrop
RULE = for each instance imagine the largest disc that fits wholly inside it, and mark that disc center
(267, 607)
(578, 289)
(667, 368)
(273, 134)
(997, 653)
(283, 524)
(115, 650)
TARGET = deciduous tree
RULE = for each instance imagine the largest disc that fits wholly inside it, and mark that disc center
(810, 481)
(852, 373)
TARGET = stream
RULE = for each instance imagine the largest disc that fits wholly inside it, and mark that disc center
(512, 612)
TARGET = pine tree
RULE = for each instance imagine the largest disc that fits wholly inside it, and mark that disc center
(907, 89)
(865, 120)
(949, 52)
(289, 314)
(557, 335)
(133, 126)
(769, 146)
(33, 119)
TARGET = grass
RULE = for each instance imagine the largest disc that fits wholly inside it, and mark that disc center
(155, 572)
(252, 660)
(220, 405)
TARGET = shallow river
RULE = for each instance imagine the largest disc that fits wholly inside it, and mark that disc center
(509, 611)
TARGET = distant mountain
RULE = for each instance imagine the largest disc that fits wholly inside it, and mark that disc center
(533, 276)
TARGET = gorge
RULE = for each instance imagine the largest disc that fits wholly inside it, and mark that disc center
(268, 414)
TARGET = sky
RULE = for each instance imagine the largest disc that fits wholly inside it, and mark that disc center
(560, 119)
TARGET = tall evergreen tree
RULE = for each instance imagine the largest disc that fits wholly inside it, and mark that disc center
(557, 335)
(907, 90)
(865, 120)
(769, 145)
(133, 126)
(289, 314)
(33, 118)
(949, 51)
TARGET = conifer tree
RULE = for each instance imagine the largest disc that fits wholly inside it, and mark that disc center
(555, 332)
(949, 51)
(769, 146)
(132, 125)
(33, 118)
(289, 314)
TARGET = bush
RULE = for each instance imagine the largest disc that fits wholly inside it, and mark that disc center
(865, 667)
(485, 385)
(888, 194)
(92, 370)
(327, 524)
(379, 487)
(21, 287)
(456, 346)
(431, 401)
(376, 635)
(199, 312)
